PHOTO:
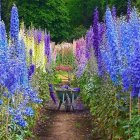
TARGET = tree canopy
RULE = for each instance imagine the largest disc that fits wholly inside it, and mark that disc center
(64, 19)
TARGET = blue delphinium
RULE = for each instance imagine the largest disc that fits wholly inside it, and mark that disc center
(12, 82)
(18, 119)
(16, 81)
(126, 51)
(23, 65)
(1, 102)
(28, 111)
(135, 60)
(14, 24)
(135, 74)
(14, 33)
(3, 43)
(112, 39)
(3, 53)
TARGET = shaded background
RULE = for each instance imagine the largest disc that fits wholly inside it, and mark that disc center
(65, 19)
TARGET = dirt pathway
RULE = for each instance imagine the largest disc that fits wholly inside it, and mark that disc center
(61, 125)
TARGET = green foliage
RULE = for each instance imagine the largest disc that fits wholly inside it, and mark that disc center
(47, 14)
(77, 32)
(52, 15)
(65, 19)
(65, 57)
(6, 8)
(41, 80)
(132, 127)
(109, 107)
(16, 132)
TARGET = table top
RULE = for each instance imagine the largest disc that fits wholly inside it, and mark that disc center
(66, 90)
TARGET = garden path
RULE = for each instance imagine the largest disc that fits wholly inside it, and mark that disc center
(61, 125)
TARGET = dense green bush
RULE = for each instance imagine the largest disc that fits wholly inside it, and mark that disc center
(109, 107)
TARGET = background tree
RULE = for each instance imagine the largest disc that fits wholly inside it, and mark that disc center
(65, 19)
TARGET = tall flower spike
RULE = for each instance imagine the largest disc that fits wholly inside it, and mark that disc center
(112, 40)
(14, 24)
(0, 10)
(89, 42)
(135, 60)
(47, 47)
(3, 54)
(114, 12)
(128, 10)
(96, 41)
(3, 42)
(95, 30)
(39, 36)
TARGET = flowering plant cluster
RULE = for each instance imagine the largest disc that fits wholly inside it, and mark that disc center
(17, 96)
(116, 47)
(81, 56)
(38, 47)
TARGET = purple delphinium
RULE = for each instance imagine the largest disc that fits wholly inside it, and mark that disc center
(89, 42)
(114, 15)
(128, 10)
(47, 47)
(30, 56)
(39, 36)
(81, 57)
(30, 52)
(52, 95)
(97, 35)
(0, 10)
(31, 70)
(76, 89)
(78, 53)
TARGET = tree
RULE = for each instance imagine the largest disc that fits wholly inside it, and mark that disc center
(47, 14)
(63, 18)
(6, 6)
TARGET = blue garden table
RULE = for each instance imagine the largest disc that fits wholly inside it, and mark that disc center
(67, 97)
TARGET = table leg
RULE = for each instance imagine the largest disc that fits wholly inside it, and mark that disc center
(72, 98)
(63, 98)
(60, 103)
